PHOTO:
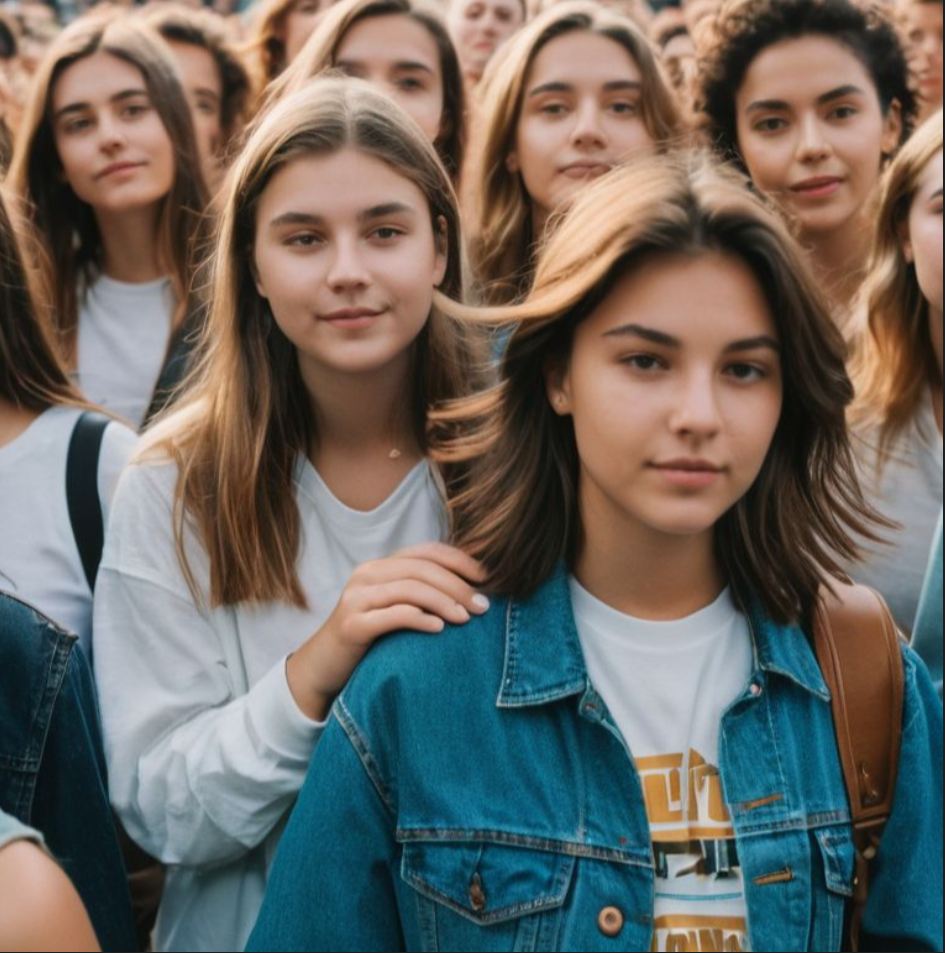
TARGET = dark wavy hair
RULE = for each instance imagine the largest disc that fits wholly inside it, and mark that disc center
(745, 28)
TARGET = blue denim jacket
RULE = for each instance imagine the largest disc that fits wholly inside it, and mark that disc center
(473, 793)
(52, 767)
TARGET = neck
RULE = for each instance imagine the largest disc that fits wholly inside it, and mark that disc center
(645, 573)
(839, 260)
(130, 246)
(13, 420)
(365, 441)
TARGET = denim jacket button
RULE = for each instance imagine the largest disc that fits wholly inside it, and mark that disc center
(755, 689)
(610, 921)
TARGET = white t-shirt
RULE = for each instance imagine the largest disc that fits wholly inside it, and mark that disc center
(123, 334)
(667, 685)
(908, 490)
(39, 559)
(206, 747)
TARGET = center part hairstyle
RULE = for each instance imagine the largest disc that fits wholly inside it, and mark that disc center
(895, 361)
(503, 246)
(519, 512)
(236, 435)
(66, 225)
(320, 54)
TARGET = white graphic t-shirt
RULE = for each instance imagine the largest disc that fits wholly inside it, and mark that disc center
(667, 685)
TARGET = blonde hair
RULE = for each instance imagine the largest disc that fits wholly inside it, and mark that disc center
(246, 415)
(264, 48)
(320, 53)
(66, 224)
(519, 513)
(503, 245)
(895, 362)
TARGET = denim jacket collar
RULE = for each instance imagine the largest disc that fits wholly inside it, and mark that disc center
(544, 661)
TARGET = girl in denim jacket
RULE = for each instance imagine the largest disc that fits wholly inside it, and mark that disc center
(634, 749)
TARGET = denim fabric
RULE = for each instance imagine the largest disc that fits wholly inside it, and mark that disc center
(927, 634)
(473, 793)
(52, 767)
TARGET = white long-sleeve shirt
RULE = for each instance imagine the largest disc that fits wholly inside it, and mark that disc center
(206, 747)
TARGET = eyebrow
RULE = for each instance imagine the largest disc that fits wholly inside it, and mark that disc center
(404, 66)
(937, 194)
(616, 85)
(367, 215)
(117, 98)
(766, 105)
(207, 91)
(667, 340)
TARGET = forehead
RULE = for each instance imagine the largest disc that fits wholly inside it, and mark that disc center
(95, 79)
(925, 14)
(337, 187)
(389, 39)
(196, 65)
(709, 299)
(582, 58)
(800, 70)
(514, 6)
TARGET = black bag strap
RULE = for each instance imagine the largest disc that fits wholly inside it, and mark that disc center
(85, 507)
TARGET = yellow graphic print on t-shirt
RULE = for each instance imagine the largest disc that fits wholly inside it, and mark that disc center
(700, 899)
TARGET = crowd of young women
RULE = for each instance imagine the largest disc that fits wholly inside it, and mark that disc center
(434, 429)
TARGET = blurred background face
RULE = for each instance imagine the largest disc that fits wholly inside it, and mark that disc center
(299, 23)
(922, 22)
(924, 243)
(203, 87)
(115, 152)
(400, 57)
(812, 132)
(581, 116)
(479, 28)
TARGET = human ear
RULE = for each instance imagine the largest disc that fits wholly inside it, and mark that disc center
(254, 271)
(558, 387)
(512, 163)
(892, 129)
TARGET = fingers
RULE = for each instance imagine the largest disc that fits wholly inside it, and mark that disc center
(449, 557)
(430, 599)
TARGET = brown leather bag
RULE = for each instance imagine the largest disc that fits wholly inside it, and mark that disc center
(857, 646)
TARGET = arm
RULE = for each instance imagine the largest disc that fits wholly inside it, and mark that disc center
(332, 885)
(47, 913)
(904, 910)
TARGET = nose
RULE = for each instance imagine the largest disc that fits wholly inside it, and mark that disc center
(347, 271)
(111, 135)
(696, 413)
(588, 131)
(813, 145)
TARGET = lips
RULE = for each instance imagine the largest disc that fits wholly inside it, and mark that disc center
(820, 186)
(689, 474)
(117, 168)
(586, 170)
(351, 318)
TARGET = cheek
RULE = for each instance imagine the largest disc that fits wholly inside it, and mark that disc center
(537, 145)
(768, 163)
(633, 138)
(927, 246)
(753, 420)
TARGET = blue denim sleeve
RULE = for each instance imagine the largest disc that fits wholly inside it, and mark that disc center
(904, 910)
(331, 886)
(71, 808)
(927, 635)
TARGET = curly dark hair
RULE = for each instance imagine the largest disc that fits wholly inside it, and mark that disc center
(745, 28)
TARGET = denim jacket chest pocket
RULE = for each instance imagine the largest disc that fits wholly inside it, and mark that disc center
(486, 896)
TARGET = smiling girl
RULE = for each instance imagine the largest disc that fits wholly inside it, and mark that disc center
(811, 97)
(107, 164)
(290, 494)
(575, 93)
(633, 749)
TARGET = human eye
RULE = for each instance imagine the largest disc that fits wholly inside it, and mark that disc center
(207, 107)
(770, 124)
(76, 125)
(625, 107)
(746, 372)
(302, 240)
(553, 107)
(411, 84)
(843, 112)
(387, 233)
(134, 110)
(644, 363)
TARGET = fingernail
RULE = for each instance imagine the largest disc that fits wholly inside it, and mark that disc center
(480, 601)
(461, 613)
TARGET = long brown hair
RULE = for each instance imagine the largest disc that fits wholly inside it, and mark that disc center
(518, 513)
(503, 246)
(66, 224)
(895, 360)
(31, 375)
(320, 53)
(237, 434)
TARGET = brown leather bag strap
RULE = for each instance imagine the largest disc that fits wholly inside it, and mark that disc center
(857, 646)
